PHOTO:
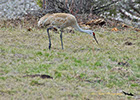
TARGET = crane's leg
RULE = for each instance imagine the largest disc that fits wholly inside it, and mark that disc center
(49, 37)
(61, 39)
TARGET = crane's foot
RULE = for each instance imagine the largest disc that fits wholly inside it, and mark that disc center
(49, 46)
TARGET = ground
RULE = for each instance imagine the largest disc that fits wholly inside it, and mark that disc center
(84, 70)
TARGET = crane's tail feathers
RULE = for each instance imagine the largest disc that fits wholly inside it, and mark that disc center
(39, 23)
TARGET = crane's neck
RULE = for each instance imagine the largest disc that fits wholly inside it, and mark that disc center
(78, 28)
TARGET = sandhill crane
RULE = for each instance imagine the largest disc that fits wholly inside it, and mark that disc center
(61, 21)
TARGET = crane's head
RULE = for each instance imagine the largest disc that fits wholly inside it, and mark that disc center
(90, 32)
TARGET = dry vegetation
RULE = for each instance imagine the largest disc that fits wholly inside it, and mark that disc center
(83, 70)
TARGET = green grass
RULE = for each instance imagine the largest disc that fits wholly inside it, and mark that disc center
(83, 70)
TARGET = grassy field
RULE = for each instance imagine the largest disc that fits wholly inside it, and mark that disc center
(82, 71)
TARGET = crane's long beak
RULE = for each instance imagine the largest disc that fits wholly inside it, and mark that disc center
(95, 39)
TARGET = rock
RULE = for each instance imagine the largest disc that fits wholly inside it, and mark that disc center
(128, 43)
(123, 63)
(11, 9)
